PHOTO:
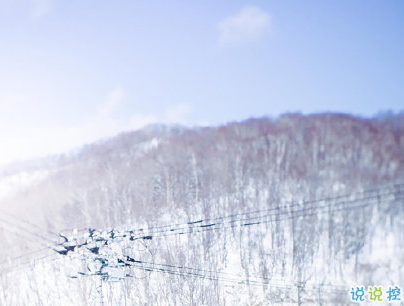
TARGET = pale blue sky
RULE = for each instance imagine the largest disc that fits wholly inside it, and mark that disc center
(75, 71)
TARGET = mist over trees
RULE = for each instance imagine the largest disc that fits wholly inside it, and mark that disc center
(301, 224)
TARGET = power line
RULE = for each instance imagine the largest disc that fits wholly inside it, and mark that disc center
(262, 282)
(279, 216)
(24, 236)
(302, 203)
(28, 254)
(28, 222)
(310, 211)
(293, 214)
(22, 265)
(345, 205)
(307, 205)
(26, 231)
(210, 272)
(286, 205)
(259, 281)
(264, 218)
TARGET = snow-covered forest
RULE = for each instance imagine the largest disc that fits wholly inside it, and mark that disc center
(288, 211)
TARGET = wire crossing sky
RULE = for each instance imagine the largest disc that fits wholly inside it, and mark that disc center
(73, 72)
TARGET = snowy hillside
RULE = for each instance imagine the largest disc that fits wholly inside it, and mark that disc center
(292, 211)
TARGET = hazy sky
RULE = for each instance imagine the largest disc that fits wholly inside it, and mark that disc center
(75, 71)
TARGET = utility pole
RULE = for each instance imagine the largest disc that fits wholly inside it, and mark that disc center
(99, 290)
(299, 294)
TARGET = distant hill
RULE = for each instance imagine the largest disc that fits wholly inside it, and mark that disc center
(171, 174)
